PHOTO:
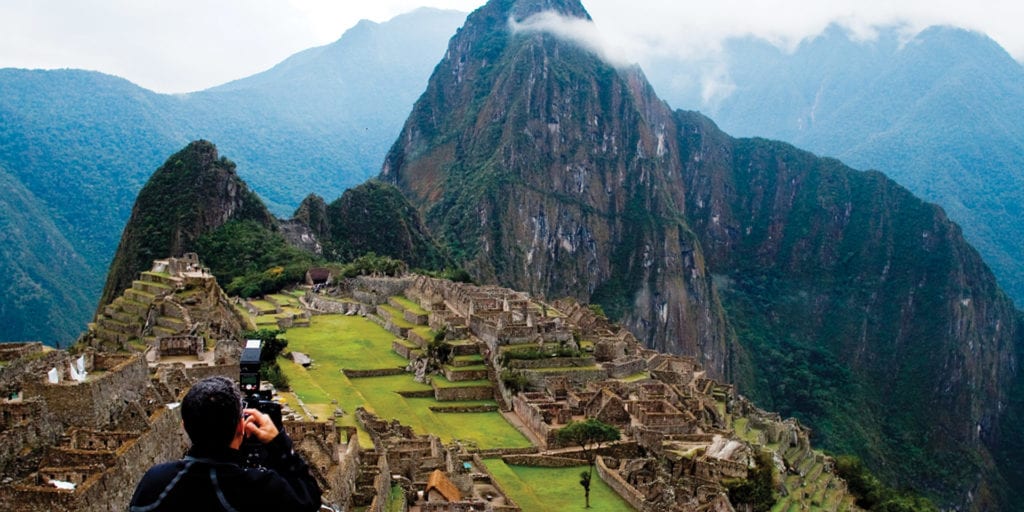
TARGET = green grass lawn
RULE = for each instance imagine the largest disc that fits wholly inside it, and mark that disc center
(320, 385)
(556, 489)
(250, 321)
(409, 305)
(290, 311)
(475, 367)
(349, 342)
(266, 321)
(396, 499)
(335, 342)
(442, 382)
(397, 317)
(425, 332)
(285, 299)
(263, 306)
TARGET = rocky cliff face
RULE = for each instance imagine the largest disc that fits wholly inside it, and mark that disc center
(546, 170)
(900, 325)
(193, 193)
(855, 305)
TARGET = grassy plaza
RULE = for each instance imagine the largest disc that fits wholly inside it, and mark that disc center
(536, 488)
(337, 342)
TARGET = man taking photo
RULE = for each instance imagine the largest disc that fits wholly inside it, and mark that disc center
(212, 475)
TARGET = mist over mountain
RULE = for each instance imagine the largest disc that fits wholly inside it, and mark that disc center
(939, 113)
(82, 144)
(828, 293)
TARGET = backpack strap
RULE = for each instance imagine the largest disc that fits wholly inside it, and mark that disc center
(189, 461)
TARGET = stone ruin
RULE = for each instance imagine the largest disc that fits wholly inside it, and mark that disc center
(87, 442)
(80, 428)
(680, 439)
(176, 310)
(433, 477)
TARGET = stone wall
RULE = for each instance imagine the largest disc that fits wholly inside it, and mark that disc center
(457, 375)
(463, 408)
(620, 486)
(380, 372)
(200, 372)
(377, 290)
(382, 484)
(575, 377)
(454, 394)
(33, 367)
(543, 461)
(318, 447)
(182, 346)
(501, 452)
(511, 505)
(344, 480)
(714, 470)
(623, 368)
(99, 488)
(532, 417)
(419, 393)
(403, 350)
(27, 424)
(552, 362)
(100, 400)
(17, 350)
(416, 338)
(323, 304)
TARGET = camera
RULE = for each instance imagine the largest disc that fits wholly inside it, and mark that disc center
(255, 398)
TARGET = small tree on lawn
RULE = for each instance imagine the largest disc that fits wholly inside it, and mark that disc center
(585, 483)
(588, 435)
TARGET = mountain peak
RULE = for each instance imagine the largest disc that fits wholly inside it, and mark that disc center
(192, 193)
(497, 12)
(522, 9)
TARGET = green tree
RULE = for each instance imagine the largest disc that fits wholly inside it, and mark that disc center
(589, 435)
(585, 483)
(874, 495)
(755, 490)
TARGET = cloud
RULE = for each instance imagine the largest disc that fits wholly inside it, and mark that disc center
(687, 38)
(576, 30)
(688, 30)
(192, 44)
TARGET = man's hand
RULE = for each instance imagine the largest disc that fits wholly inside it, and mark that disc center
(259, 425)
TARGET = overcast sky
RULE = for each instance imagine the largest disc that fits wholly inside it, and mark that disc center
(186, 45)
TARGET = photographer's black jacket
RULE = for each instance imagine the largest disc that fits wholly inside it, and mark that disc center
(216, 480)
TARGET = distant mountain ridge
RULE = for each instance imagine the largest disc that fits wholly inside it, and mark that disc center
(82, 144)
(939, 113)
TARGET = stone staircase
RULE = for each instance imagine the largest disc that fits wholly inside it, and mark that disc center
(127, 318)
(465, 376)
(809, 485)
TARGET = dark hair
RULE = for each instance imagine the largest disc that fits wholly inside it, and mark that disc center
(211, 410)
